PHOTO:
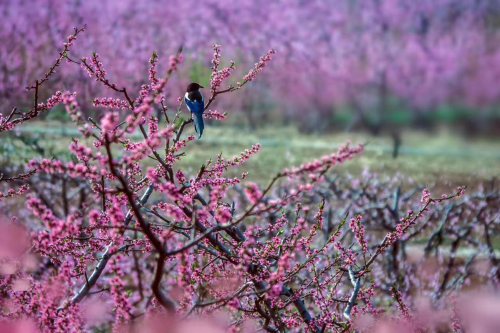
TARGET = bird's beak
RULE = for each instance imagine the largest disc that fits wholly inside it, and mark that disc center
(202, 87)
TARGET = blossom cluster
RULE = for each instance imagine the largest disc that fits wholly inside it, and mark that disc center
(93, 67)
(252, 74)
(111, 103)
(218, 76)
(214, 114)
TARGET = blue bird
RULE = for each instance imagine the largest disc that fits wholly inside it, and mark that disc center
(196, 104)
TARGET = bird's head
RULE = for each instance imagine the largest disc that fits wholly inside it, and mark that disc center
(193, 87)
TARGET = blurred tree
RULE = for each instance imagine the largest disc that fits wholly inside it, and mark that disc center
(354, 55)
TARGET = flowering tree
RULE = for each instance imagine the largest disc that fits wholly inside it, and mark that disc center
(120, 238)
(352, 64)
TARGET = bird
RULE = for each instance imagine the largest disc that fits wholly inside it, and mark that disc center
(196, 104)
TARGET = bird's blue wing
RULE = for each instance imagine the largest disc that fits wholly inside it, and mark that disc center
(194, 105)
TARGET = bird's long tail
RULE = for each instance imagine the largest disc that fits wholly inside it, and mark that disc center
(198, 123)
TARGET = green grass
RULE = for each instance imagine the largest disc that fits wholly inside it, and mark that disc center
(424, 158)
(444, 158)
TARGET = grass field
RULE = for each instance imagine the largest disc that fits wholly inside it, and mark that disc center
(444, 159)
(423, 157)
